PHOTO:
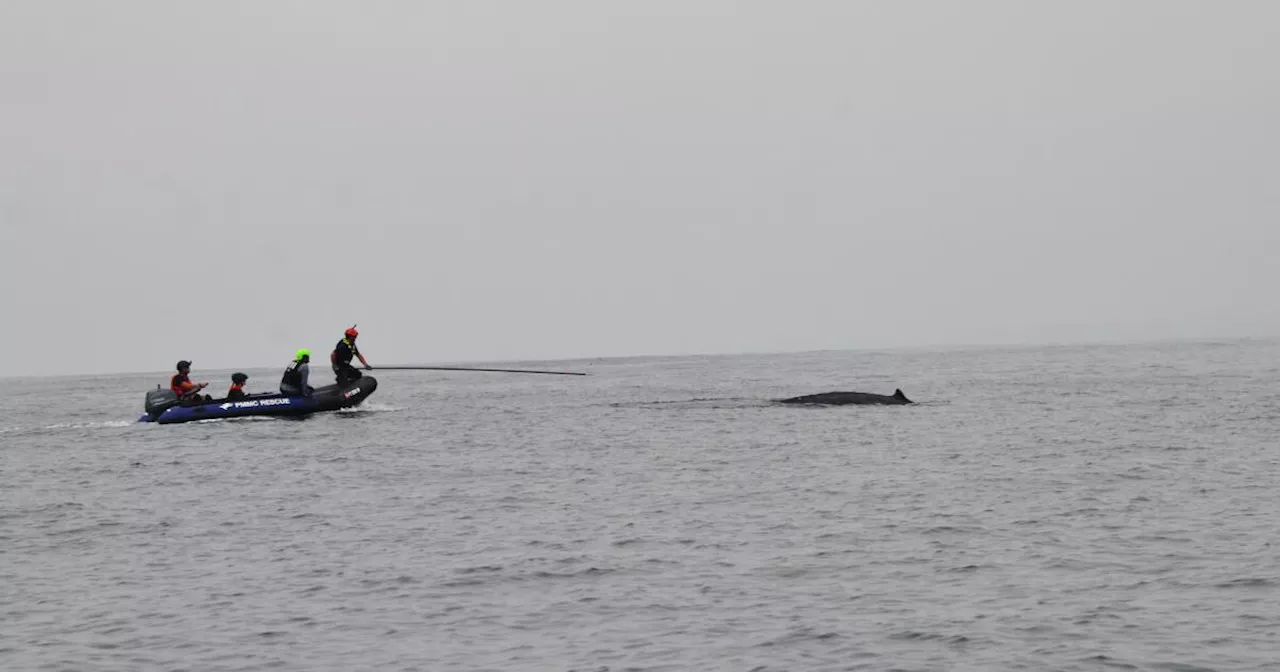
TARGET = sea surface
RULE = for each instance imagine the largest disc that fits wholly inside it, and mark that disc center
(1041, 508)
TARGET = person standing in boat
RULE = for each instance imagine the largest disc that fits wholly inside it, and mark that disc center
(294, 382)
(187, 391)
(341, 358)
(236, 392)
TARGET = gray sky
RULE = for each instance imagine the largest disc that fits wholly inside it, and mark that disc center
(229, 181)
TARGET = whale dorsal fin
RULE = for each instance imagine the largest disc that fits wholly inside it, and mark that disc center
(897, 394)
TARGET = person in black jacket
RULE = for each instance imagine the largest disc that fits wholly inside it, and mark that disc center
(294, 381)
(341, 356)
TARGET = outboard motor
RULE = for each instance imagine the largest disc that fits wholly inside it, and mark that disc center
(159, 400)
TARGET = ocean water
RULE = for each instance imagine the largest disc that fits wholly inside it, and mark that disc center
(1056, 508)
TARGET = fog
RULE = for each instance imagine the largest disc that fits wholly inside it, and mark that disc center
(228, 182)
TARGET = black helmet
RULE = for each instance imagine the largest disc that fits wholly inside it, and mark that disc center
(184, 363)
(239, 378)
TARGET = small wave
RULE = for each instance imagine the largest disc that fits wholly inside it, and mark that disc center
(590, 571)
(1246, 583)
(948, 529)
(917, 636)
(19, 430)
(47, 508)
(800, 636)
(464, 583)
(479, 569)
(403, 579)
(1110, 662)
(1181, 667)
(487, 575)
(723, 403)
(370, 408)
(89, 425)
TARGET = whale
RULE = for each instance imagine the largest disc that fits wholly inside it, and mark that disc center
(857, 398)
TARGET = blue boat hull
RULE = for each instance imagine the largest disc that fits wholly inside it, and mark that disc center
(330, 398)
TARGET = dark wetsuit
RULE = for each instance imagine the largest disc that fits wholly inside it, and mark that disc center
(343, 352)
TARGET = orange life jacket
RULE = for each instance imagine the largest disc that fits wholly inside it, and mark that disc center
(181, 385)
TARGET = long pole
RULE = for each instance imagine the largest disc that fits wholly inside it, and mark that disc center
(468, 368)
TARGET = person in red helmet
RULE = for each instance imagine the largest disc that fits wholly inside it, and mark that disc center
(341, 358)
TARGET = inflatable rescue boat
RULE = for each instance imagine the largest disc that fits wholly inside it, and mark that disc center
(162, 406)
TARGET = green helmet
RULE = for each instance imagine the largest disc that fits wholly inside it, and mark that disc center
(302, 353)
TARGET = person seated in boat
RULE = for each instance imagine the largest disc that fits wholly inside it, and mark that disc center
(187, 391)
(341, 356)
(294, 382)
(236, 392)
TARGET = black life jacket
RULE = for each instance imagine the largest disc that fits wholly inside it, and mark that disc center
(292, 376)
(344, 351)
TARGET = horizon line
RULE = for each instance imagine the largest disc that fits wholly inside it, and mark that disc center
(1102, 342)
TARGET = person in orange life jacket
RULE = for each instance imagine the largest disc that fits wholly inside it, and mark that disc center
(237, 387)
(294, 381)
(341, 356)
(187, 391)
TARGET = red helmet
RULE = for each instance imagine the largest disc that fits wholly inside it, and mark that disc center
(351, 333)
